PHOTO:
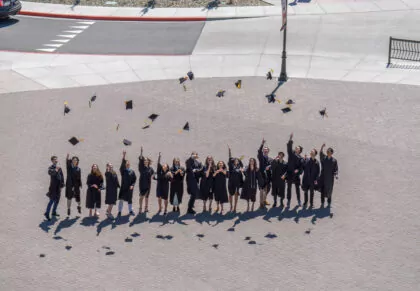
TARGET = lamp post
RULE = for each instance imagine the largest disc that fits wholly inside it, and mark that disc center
(283, 75)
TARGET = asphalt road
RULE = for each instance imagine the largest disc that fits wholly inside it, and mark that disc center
(100, 37)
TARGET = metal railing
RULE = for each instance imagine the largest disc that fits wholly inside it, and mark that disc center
(403, 49)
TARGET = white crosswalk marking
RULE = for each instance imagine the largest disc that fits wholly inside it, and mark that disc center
(61, 40)
(72, 32)
(50, 50)
(54, 44)
(67, 35)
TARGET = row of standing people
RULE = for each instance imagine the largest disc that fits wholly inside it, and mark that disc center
(205, 182)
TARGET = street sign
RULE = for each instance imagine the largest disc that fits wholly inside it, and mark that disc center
(284, 13)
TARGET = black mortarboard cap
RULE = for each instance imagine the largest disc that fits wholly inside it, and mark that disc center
(73, 141)
(153, 116)
(286, 109)
(126, 142)
(238, 84)
(129, 104)
(290, 101)
(269, 76)
(93, 98)
(66, 109)
(190, 75)
(146, 126)
(221, 93)
(182, 80)
(323, 112)
(271, 98)
(186, 126)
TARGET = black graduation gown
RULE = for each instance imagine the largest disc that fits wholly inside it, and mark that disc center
(294, 162)
(206, 185)
(249, 190)
(311, 171)
(146, 174)
(220, 189)
(112, 185)
(264, 162)
(278, 169)
(128, 179)
(162, 187)
(93, 195)
(177, 185)
(193, 177)
(73, 181)
(56, 183)
(328, 172)
(235, 177)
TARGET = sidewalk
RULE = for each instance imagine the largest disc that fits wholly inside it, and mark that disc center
(314, 7)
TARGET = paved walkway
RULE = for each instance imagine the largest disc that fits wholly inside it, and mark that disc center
(295, 8)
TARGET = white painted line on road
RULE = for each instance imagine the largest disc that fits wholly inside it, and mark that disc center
(61, 40)
(73, 31)
(86, 22)
(80, 27)
(54, 44)
(67, 35)
(50, 50)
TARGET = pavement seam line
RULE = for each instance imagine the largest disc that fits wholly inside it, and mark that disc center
(313, 47)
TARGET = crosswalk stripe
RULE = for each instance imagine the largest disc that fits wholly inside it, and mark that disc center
(61, 40)
(54, 44)
(73, 31)
(86, 22)
(67, 35)
(50, 50)
(80, 27)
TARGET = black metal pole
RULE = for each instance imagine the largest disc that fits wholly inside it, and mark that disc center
(283, 75)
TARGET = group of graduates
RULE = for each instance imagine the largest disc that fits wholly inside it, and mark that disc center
(206, 182)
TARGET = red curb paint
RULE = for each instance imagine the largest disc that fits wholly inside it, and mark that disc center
(111, 18)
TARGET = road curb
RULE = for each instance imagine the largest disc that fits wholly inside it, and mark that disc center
(112, 18)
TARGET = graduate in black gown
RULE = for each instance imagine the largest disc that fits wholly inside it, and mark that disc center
(206, 183)
(311, 169)
(112, 185)
(249, 190)
(328, 173)
(94, 183)
(294, 170)
(128, 180)
(164, 176)
(265, 173)
(235, 180)
(220, 189)
(193, 167)
(54, 190)
(177, 184)
(279, 174)
(73, 182)
(146, 174)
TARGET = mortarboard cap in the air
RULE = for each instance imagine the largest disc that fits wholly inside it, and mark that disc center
(238, 84)
(129, 104)
(182, 80)
(186, 126)
(74, 141)
(190, 75)
(269, 75)
(66, 108)
(221, 93)
(93, 98)
(286, 109)
(323, 112)
(126, 142)
(290, 102)
(146, 126)
(153, 116)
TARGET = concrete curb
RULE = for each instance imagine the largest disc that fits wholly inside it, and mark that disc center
(118, 18)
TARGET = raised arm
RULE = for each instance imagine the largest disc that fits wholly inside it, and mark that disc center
(123, 164)
(159, 166)
(141, 160)
(68, 162)
(321, 152)
(290, 145)
(260, 153)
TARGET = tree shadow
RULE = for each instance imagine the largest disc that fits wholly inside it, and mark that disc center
(140, 218)
(273, 212)
(8, 22)
(66, 223)
(212, 5)
(104, 223)
(149, 5)
(89, 221)
(46, 225)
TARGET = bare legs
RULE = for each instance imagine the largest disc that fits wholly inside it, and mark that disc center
(146, 203)
(236, 201)
(160, 204)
